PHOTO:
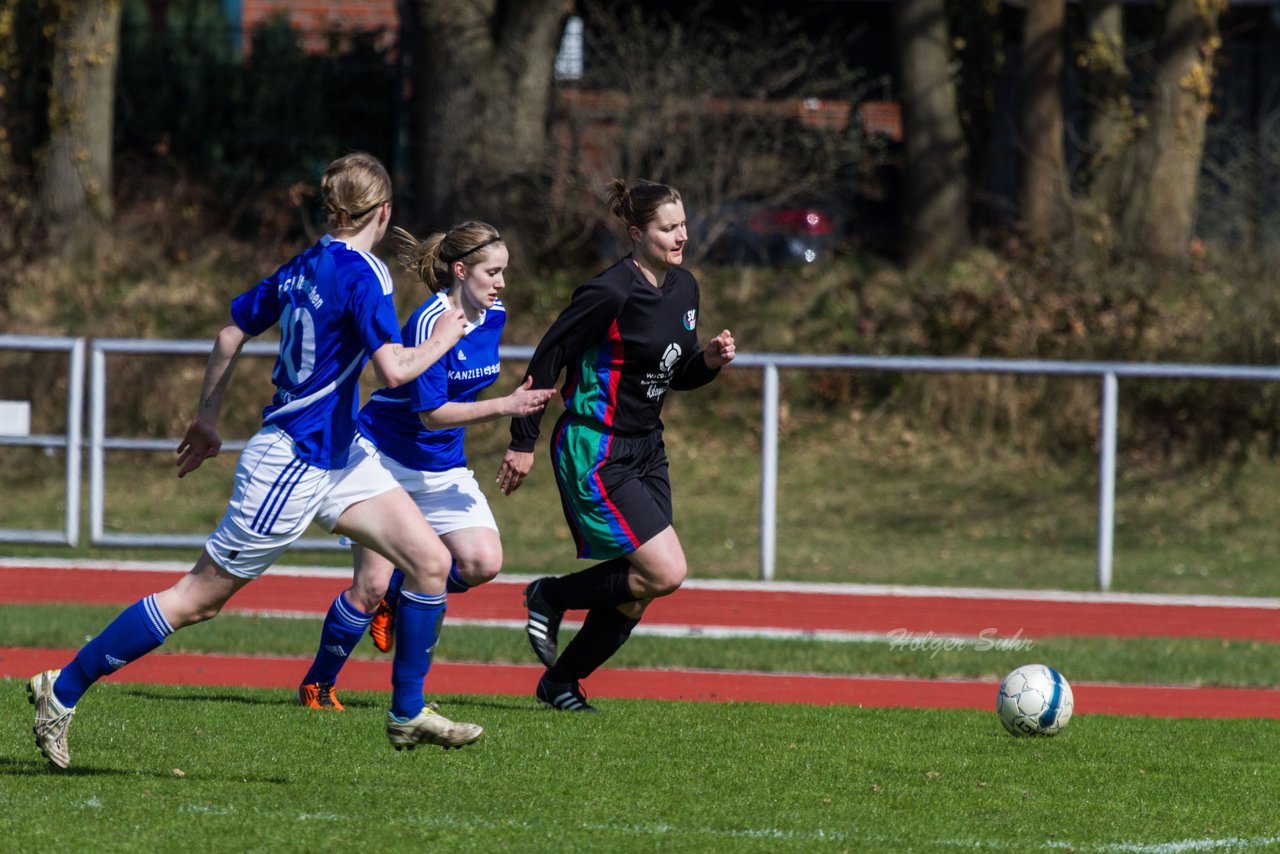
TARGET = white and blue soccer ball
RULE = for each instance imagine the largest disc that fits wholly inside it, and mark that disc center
(1034, 700)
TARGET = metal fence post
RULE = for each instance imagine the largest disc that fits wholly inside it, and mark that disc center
(769, 473)
(97, 433)
(68, 440)
(75, 436)
(1107, 478)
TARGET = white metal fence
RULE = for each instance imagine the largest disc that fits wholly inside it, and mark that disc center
(70, 441)
(99, 442)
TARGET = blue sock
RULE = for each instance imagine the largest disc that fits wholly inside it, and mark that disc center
(344, 625)
(139, 629)
(392, 596)
(454, 583)
(418, 621)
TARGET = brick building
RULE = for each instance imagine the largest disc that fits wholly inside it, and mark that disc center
(315, 18)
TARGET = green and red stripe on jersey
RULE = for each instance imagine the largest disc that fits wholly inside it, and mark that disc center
(592, 389)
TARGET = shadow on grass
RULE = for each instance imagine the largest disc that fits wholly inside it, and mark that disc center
(32, 767)
(352, 700)
(284, 698)
(512, 704)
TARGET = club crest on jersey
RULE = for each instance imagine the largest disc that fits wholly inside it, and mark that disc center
(691, 319)
(670, 357)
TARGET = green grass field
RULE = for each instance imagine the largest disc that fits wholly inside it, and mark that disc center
(161, 768)
(221, 769)
(167, 768)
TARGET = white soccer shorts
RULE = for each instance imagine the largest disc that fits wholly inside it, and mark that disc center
(277, 495)
(449, 500)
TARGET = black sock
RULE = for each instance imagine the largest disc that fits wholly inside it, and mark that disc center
(602, 634)
(604, 584)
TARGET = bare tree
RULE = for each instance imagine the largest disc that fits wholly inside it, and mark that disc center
(482, 81)
(1043, 188)
(1159, 210)
(75, 188)
(936, 188)
(1109, 107)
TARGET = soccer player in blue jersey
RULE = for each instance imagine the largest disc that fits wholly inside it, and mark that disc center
(626, 337)
(416, 431)
(333, 304)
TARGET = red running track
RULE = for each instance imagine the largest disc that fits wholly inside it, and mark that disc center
(688, 685)
(822, 609)
(1002, 615)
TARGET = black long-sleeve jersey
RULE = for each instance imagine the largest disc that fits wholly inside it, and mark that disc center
(623, 343)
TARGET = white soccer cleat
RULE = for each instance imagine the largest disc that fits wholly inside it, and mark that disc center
(430, 727)
(52, 718)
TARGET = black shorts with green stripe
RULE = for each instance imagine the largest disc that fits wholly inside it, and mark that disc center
(615, 490)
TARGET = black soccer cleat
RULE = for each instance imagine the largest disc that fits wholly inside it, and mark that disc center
(543, 626)
(563, 696)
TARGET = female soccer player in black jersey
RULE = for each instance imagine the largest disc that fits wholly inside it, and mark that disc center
(626, 337)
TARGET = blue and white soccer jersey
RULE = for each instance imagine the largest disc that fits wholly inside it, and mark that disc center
(431, 465)
(335, 307)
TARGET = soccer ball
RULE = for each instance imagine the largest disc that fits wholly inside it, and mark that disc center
(1034, 699)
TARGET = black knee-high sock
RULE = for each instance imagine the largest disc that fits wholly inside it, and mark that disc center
(600, 586)
(602, 634)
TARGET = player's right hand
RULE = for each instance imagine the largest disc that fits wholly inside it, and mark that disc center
(200, 443)
(450, 327)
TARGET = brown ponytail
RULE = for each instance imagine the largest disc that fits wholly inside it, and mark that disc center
(430, 259)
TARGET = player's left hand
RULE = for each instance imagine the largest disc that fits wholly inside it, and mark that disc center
(720, 351)
(201, 443)
(514, 469)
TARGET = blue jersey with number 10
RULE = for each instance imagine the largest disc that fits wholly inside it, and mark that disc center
(335, 307)
(390, 418)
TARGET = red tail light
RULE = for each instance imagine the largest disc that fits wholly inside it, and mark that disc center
(792, 220)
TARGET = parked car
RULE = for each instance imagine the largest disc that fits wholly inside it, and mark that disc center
(768, 234)
(755, 233)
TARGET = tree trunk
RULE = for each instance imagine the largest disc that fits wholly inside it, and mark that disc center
(1043, 188)
(936, 189)
(75, 180)
(1158, 217)
(483, 87)
(1109, 120)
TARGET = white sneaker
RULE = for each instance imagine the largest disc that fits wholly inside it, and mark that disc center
(430, 727)
(52, 718)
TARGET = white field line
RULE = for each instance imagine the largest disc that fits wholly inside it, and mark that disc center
(1181, 846)
(824, 588)
(811, 836)
(680, 631)
(926, 641)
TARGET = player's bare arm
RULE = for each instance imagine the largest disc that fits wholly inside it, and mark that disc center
(201, 441)
(719, 351)
(525, 400)
(396, 364)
